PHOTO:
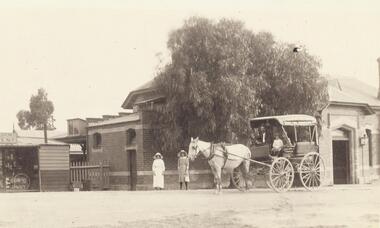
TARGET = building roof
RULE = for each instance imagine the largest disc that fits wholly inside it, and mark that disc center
(30, 138)
(25, 141)
(148, 85)
(38, 133)
(351, 91)
(130, 99)
(121, 119)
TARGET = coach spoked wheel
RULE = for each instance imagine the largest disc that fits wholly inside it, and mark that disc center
(21, 181)
(312, 170)
(237, 179)
(281, 175)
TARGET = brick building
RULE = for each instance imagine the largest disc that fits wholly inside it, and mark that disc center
(349, 143)
(350, 140)
(125, 141)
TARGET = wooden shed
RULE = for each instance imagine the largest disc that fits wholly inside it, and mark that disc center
(28, 164)
(54, 163)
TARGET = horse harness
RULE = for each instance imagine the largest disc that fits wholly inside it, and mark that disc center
(213, 154)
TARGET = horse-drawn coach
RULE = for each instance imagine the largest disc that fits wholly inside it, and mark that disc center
(281, 148)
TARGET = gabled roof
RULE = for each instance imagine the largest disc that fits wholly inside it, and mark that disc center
(147, 87)
(350, 91)
(342, 91)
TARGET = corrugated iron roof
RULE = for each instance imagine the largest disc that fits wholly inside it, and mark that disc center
(38, 133)
(351, 90)
(32, 138)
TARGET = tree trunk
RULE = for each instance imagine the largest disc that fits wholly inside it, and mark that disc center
(45, 133)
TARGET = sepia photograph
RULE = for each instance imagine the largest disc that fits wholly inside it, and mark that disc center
(182, 114)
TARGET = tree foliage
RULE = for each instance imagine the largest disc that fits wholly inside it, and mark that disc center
(221, 74)
(39, 116)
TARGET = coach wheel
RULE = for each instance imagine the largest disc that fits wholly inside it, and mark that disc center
(312, 171)
(21, 181)
(238, 179)
(281, 175)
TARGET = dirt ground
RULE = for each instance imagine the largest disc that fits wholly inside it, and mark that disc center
(339, 206)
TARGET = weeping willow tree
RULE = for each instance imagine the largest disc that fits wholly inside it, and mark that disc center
(221, 73)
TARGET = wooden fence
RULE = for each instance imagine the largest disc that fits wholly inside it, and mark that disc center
(89, 173)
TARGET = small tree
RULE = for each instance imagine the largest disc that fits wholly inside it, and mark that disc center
(40, 114)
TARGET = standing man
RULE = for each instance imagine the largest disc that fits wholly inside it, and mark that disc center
(183, 169)
(158, 169)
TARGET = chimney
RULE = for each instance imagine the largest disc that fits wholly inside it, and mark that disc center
(378, 65)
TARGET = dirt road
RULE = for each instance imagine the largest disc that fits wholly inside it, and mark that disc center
(344, 206)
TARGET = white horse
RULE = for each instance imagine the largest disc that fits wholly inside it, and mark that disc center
(221, 158)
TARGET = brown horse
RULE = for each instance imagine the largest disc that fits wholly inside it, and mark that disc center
(221, 158)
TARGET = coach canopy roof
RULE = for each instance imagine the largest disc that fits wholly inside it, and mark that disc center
(286, 120)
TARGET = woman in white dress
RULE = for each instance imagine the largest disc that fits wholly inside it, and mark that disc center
(158, 169)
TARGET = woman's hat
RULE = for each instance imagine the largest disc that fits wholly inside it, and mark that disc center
(157, 155)
(182, 152)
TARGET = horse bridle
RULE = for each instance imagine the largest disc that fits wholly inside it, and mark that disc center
(197, 147)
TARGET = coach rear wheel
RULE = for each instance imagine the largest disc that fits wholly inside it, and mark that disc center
(312, 170)
(238, 179)
(281, 175)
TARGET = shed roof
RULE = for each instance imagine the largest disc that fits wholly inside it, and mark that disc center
(31, 138)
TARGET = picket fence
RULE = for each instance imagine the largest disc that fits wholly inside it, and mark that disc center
(90, 175)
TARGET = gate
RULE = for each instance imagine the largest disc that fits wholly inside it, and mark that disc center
(90, 175)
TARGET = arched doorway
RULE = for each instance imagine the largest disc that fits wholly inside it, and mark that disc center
(131, 156)
(341, 143)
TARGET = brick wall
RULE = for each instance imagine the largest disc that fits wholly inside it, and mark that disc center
(355, 121)
(114, 149)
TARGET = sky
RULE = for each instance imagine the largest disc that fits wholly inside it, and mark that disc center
(90, 54)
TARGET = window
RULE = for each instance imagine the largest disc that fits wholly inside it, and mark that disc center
(290, 133)
(370, 157)
(131, 136)
(71, 128)
(303, 134)
(97, 140)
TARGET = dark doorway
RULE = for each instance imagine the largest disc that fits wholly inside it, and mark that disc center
(341, 162)
(132, 169)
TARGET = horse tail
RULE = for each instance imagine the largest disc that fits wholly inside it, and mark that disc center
(249, 153)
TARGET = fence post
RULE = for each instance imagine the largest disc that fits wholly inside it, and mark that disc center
(101, 175)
